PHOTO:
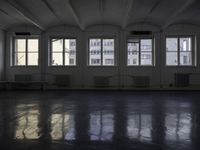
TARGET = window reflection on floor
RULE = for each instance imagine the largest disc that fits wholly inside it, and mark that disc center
(178, 127)
(139, 126)
(101, 126)
(27, 121)
(62, 127)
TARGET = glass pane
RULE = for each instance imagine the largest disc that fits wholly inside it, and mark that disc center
(133, 54)
(171, 58)
(95, 52)
(146, 58)
(185, 58)
(57, 59)
(20, 45)
(70, 51)
(108, 52)
(20, 59)
(33, 45)
(171, 44)
(146, 45)
(185, 44)
(33, 59)
(57, 45)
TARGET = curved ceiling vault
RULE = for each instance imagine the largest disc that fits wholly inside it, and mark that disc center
(84, 13)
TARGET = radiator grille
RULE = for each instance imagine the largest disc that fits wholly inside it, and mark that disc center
(141, 81)
(182, 79)
(101, 81)
(23, 77)
(62, 80)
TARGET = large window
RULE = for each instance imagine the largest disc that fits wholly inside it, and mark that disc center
(25, 52)
(179, 51)
(140, 52)
(63, 52)
(101, 52)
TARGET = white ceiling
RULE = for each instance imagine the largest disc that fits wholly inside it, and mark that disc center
(83, 13)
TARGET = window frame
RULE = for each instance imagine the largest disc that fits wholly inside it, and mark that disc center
(101, 52)
(26, 38)
(63, 51)
(139, 52)
(193, 50)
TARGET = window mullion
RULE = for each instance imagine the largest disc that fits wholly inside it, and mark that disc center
(101, 52)
(26, 52)
(63, 52)
(178, 51)
(139, 63)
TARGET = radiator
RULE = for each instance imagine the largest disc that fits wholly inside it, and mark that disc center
(62, 80)
(23, 78)
(181, 79)
(141, 81)
(101, 81)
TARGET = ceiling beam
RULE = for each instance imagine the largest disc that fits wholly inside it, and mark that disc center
(75, 14)
(177, 12)
(52, 10)
(26, 14)
(127, 13)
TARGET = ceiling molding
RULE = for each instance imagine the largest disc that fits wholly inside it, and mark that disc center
(26, 14)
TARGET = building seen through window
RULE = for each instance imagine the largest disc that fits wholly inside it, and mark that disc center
(140, 52)
(101, 52)
(63, 52)
(179, 51)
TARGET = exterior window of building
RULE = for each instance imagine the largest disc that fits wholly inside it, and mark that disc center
(63, 52)
(179, 51)
(25, 52)
(140, 52)
(101, 52)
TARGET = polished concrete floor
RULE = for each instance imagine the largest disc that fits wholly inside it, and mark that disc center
(85, 120)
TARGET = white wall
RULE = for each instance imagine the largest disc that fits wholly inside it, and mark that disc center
(82, 74)
(2, 50)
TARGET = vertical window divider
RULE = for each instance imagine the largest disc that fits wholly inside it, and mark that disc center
(26, 52)
(139, 52)
(178, 50)
(63, 52)
(101, 52)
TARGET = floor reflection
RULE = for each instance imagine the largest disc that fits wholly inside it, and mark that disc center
(27, 121)
(101, 120)
(101, 126)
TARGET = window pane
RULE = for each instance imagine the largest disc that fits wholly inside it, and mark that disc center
(33, 52)
(57, 45)
(20, 45)
(57, 59)
(33, 45)
(108, 52)
(133, 53)
(33, 59)
(95, 52)
(185, 58)
(146, 45)
(171, 44)
(20, 59)
(70, 51)
(185, 44)
(171, 58)
(146, 58)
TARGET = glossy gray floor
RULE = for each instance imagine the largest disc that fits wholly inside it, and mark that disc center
(84, 120)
